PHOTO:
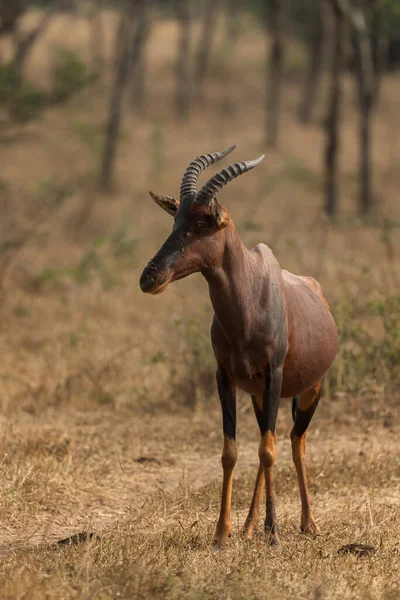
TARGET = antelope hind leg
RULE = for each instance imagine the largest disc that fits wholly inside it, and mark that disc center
(302, 418)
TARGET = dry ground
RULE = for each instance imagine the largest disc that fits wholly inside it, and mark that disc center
(150, 488)
(108, 420)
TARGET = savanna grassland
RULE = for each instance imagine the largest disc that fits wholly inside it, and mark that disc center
(110, 421)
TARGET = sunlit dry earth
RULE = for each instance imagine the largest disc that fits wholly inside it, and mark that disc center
(110, 421)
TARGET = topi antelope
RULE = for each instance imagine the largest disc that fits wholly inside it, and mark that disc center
(273, 334)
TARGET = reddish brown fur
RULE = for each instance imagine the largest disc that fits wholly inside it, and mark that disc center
(266, 320)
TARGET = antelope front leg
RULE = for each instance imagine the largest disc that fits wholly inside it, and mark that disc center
(254, 511)
(227, 396)
(266, 417)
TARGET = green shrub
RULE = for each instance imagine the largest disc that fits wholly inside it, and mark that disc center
(27, 103)
(369, 351)
(105, 260)
(9, 80)
(91, 135)
(69, 74)
(193, 377)
(23, 99)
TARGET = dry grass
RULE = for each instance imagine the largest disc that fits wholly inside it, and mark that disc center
(151, 493)
(105, 422)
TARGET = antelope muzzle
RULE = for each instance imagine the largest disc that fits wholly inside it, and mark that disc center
(160, 270)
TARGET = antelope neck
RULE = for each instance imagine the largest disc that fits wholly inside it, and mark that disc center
(231, 287)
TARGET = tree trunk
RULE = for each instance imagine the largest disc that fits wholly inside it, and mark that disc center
(26, 43)
(333, 117)
(366, 198)
(183, 83)
(119, 40)
(378, 44)
(317, 47)
(234, 11)
(274, 72)
(97, 37)
(123, 63)
(366, 86)
(10, 12)
(233, 14)
(202, 59)
(138, 65)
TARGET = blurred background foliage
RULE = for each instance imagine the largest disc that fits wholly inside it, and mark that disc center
(100, 101)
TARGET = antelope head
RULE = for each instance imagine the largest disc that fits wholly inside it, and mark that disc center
(198, 235)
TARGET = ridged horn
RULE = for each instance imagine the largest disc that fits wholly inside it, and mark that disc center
(217, 182)
(196, 167)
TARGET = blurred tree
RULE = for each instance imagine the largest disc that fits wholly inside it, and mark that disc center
(138, 65)
(366, 79)
(334, 111)
(95, 18)
(275, 31)
(183, 79)
(119, 41)
(202, 58)
(123, 62)
(378, 42)
(10, 14)
(234, 12)
(391, 27)
(317, 55)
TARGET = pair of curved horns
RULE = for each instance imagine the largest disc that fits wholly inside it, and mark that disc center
(189, 192)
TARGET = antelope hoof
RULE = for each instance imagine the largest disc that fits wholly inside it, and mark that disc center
(220, 537)
(309, 527)
(248, 529)
(248, 532)
(272, 536)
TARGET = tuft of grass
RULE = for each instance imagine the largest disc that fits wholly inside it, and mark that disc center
(250, 225)
(294, 170)
(124, 246)
(300, 174)
(102, 397)
(21, 311)
(91, 135)
(295, 64)
(49, 277)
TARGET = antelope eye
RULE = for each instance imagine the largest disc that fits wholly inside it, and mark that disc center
(201, 223)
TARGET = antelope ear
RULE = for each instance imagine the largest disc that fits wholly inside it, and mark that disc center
(170, 205)
(220, 214)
